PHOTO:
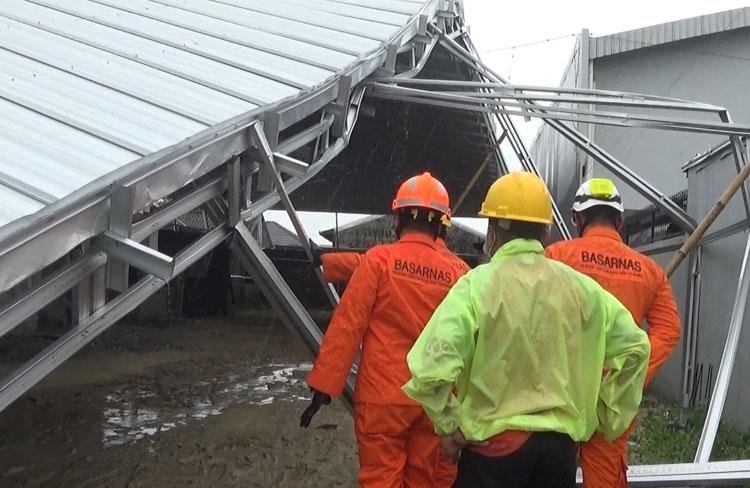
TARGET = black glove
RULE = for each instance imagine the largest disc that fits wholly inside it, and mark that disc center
(316, 254)
(319, 399)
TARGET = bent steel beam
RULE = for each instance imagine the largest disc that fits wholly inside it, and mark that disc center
(49, 289)
(268, 201)
(570, 95)
(282, 298)
(527, 106)
(144, 228)
(523, 154)
(739, 160)
(637, 98)
(621, 170)
(289, 165)
(267, 157)
(136, 254)
(76, 338)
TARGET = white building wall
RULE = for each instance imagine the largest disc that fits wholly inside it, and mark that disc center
(713, 69)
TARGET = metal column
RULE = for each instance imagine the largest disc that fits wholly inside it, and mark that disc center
(691, 330)
(724, 375)
(282, 298)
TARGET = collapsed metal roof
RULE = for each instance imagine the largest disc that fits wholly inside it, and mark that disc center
(90, 86)
(239, 167)
(154, 94)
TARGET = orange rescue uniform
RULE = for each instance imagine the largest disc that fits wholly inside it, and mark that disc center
(339, 266)
(641, 285)
(389, 299)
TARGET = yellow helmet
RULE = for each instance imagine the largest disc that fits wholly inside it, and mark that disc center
(519, 195)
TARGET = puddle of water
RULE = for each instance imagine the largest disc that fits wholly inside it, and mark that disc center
(134, 411)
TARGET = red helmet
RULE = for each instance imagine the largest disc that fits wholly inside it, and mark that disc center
(423, 191)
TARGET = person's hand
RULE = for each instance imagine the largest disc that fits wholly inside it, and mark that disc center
(319, 399)
(452, 444)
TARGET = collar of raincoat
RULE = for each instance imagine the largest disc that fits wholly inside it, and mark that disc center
(602, 231)
(518, 246)
(417, 237)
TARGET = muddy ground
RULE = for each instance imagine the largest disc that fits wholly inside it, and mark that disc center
(211, 402)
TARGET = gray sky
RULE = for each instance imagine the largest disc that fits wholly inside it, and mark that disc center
(531, 43)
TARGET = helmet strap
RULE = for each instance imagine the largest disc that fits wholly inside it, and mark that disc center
(411, 218)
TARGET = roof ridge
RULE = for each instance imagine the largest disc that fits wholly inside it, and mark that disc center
(667, 32)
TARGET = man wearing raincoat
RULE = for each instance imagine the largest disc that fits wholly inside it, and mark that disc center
(525, 340)
(639, 283)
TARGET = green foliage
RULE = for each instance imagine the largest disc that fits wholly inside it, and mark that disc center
(660, 436)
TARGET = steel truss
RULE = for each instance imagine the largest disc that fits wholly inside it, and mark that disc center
(241, 169)
(226, 191)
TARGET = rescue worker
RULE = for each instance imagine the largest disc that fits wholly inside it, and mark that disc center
(639, 283)
(525, 339)
(388, 300)
(339, 266)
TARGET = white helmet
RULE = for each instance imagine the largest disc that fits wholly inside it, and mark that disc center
(598, 192)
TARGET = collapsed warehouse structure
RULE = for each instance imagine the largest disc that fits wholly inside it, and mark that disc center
(123, 115)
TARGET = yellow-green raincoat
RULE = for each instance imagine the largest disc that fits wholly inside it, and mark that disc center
(531, 345)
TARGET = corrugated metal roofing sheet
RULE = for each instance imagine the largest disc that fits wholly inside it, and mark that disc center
(678, 30)
(88, 86)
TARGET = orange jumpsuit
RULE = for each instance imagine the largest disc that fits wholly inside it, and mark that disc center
(641, 285)
(339, 266)
(389, 299)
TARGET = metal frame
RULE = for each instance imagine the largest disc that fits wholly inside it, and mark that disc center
(494, 93)
(87, 330)
(689, 339)
(721, 473)
(283, 300)
(216, 168)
